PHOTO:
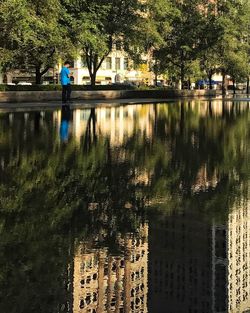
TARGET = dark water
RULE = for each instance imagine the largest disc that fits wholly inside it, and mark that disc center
(140, 208)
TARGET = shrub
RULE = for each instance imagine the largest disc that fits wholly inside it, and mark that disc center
(58, 87)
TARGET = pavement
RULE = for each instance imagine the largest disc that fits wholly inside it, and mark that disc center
(35, 106)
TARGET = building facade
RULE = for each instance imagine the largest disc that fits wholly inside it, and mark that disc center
(116, 68)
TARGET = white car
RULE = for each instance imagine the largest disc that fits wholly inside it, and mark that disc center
(24, 83)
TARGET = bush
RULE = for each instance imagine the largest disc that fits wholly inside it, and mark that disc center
(58, 87)
(144, 87)
(30, 87)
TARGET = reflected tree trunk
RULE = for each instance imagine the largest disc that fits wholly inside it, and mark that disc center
(37, 122)
(210, 109)
(210, 80)
(90, 134)
(93, 115)
(223, 109)
(232, 110)
(156, 118)
(182, 117)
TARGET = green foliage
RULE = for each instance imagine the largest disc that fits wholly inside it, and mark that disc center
(30, 35)
(179, 35)
(229, 54)
(214, 35)
(183, 43)
(59, 88)
(96, 26)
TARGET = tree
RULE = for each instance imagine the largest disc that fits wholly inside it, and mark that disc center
(96, 26)
(159, 17)
(247, 42)
(187, 38)
(12, 28)
(237, 67)
(31, 37)
(209, 61)
(231, 47)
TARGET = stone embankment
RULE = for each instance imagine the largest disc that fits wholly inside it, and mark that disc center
(39, 96)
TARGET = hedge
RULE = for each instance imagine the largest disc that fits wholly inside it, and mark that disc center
(58, 87)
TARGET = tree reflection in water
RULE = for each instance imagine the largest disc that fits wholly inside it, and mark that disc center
(71, 214)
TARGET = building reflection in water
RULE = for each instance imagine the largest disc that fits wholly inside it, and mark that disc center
(180, 264)
(197, 266)
(105, 282)
(231, 261)
(120, 123)
(116, 123)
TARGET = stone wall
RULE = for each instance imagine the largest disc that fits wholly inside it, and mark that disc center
(40, 96)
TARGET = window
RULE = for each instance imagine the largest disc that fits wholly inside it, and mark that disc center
(108, 63)
(117, 63)
(125, 64)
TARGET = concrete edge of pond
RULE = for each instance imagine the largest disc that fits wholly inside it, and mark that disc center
(40, 96)
(81, 104)
(84, 104)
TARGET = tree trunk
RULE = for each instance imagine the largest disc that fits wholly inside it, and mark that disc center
(38, 75)
(156, 77)
(94, 63)
(210, 81)
(93, 79)
(234, 87)
(1, 76)
(248, 84)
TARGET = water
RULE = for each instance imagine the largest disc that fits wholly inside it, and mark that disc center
(141, 208)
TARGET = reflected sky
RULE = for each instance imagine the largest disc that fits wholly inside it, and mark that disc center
(137, 208)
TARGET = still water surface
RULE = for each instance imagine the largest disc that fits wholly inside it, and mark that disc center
(141, 208)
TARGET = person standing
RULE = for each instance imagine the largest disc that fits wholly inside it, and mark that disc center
(65, 82)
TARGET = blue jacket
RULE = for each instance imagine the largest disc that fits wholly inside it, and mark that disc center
(64, 76)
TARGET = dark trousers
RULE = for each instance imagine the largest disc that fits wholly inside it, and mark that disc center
(66, 92)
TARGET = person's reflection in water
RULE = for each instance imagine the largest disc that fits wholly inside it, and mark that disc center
(65, 121)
